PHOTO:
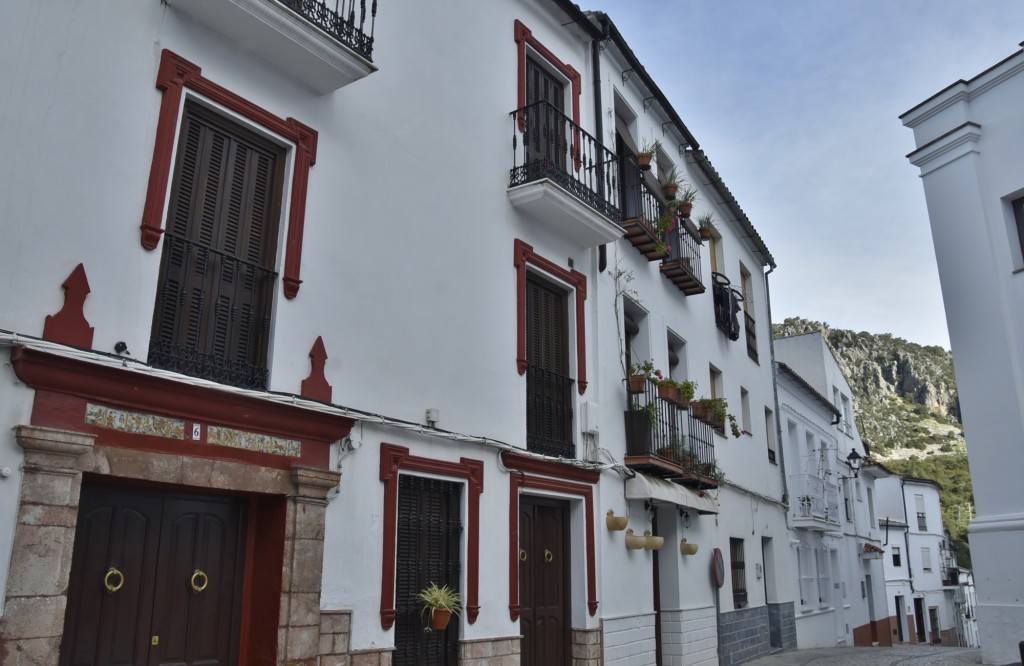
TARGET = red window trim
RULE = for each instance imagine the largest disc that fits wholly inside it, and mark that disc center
(519, 480)
(524, 36)
(524, 255)
(174, 75)
(394, 458)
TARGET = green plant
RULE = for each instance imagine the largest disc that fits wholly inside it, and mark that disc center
(733, 426)
(717, 406)
(650, 147)
(648, 370)
(651, 409)
(688, 195)
(686, 387)
(706, 220)
(440, 598)
(674, 177)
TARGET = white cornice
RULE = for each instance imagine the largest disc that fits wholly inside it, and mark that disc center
(950, 146)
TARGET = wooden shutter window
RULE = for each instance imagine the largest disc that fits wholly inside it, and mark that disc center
(212, 317)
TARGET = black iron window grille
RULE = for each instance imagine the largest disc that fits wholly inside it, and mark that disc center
(549, 413)
(739, 573)
(546, 143)
(341, 20)
(922, 521)
(227, 308)
(728, 304)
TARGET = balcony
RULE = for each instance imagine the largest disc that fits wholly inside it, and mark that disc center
(682, 266)
(323, 44)
(815, 503)
(662, 440)
(642, 209)
(728, 302)
(563, 177)
(549, 403)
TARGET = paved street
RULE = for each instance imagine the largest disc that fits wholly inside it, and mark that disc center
(911, 655)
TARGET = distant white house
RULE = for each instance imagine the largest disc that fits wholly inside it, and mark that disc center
(969, 139)
(922, 578)
(836, 540)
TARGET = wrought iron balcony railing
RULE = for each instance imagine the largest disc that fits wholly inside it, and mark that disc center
(549, 409)
(642, 208)
(662, 430)
(213, 315)
(815, 498)
(682, 266)
(344, 20)
(546, 143)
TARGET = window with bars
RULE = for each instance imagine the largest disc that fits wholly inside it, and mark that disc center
(739, 573)
(897, 560)
(922, 519)
(549, 399)
(217, 278)
(769, 429)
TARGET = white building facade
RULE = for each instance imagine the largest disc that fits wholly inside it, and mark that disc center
(922, 578)
(968, 144)
(836, 542)
(236, 353)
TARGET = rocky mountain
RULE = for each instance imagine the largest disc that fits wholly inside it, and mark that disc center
(907, 410)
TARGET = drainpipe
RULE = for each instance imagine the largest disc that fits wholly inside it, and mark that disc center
(775, 390)
(595, 64)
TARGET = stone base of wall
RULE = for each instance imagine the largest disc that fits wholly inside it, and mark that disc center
(381, 657)
(744, 635)
(911, 630)
(491, 652)
(782, 626)
(863, 636)
(335, 631)
(587, 647)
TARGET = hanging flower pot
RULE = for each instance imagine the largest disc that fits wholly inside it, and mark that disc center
(439, 619)
(669, 393)
(685, 208)
(635, 541)
(637, 384)
(643, 160)
(670, 190)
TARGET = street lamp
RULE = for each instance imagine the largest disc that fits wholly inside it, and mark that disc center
(854, 460)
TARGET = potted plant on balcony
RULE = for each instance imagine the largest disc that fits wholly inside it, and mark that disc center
(678, 393)
(442, 602)
(706, 224)
(685, 200)
(712, 411)
(640, 374)
(646, 155)
(670, 185)
(662, 228)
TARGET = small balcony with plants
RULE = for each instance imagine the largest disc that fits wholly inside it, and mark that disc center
(563, 177)
(323, 44)
(682, 265)
(661, 438)
(647, 219)
(814, 502)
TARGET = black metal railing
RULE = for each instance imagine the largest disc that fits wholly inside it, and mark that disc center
(546, 143)
(751, 329)
(345, 20)
(213, 315)
(549, 413)
(727, 305)
(665, 430)
(640, 201)
(685, 244)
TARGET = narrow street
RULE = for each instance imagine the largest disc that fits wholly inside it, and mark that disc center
(911, 655)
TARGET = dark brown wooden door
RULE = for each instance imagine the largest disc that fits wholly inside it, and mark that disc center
(429, 551)
(544, 581)
(545, 122)
(155, 579)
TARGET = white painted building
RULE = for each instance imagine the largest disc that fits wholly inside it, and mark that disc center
(922, 578)
(966, 599)
(836, 545)
(968, 141)
(224, 308)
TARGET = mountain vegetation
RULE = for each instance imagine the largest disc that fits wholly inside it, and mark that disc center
(907, 411)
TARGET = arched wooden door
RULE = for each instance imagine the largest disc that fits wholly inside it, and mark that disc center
(544, 618)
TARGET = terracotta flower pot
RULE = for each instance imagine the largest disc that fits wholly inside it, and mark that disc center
(705, 232)
(643, 160)
(670, 190)
(669, 393)
(637, 384)
(685, 208)
(439, 619)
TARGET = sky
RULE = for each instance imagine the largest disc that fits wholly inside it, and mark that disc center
(796, 104)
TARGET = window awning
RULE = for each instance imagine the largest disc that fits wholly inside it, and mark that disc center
(643, 487)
